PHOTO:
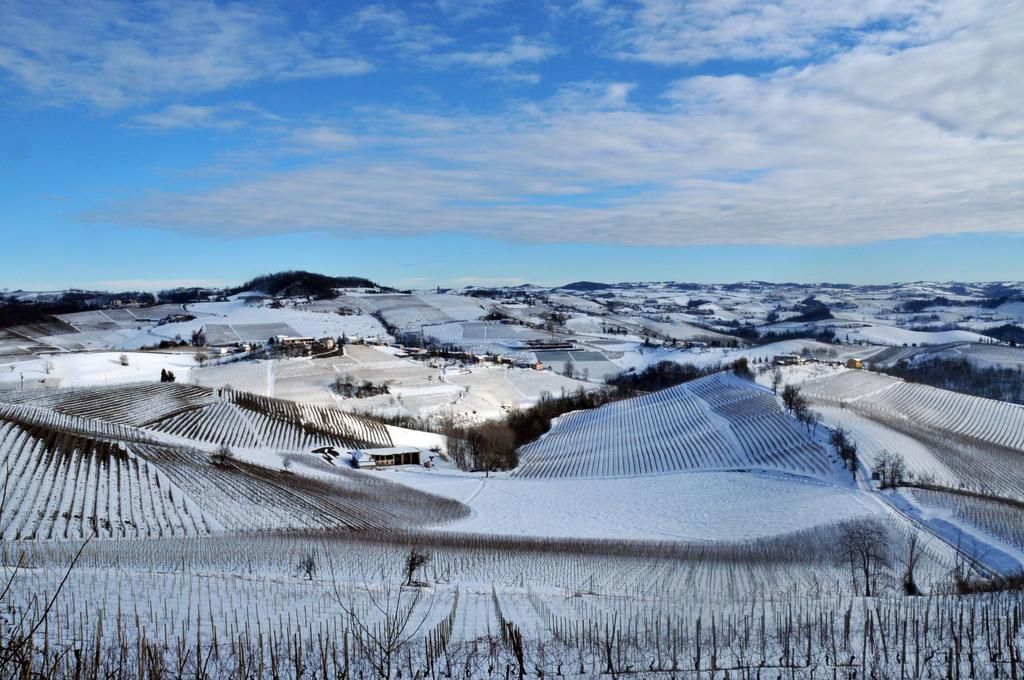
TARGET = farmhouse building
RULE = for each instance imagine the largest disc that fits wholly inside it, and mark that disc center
(385, 457)
(292, 341)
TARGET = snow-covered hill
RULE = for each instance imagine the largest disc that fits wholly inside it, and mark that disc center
(720, 422)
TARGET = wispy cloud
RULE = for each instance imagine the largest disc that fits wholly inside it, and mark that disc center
(393, 28)
(464, 10)
(519, 50)
(111, 54)
(697, 31)
(214, 117)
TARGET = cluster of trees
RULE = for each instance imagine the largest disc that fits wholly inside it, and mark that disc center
(569, 371)
(489, 446)
(755, 337)
(493, 293)
(658, 377)
(530, 423)
(303, 283)
(393, 330)
(496, 315)
(811, 309)
(166, 376)
(794, 400)
(961, 375)
(181, 296)
(845, 447)
(890, 469)
(1008, 333)
(796, 403)
(741, 368)
(168, 344)
(15, 312)
(345, 387)
(554, 319)
(912, 306)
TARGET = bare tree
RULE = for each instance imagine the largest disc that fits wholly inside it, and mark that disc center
(913, 556)
(397, 623)
(48, 367)
(307, 565)
(776, 380)
(813, 418)
(222, 456)
(864, 545)
(201, 358)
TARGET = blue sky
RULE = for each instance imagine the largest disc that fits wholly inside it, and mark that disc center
(421, 143)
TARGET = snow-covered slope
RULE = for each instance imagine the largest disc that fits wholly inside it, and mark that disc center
(138, 460)
(716, 423)
(951, 438)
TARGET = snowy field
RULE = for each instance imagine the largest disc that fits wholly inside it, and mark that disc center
(238, 320)
(414, 311)
(677, 506)
(95, 368)
(647, 603)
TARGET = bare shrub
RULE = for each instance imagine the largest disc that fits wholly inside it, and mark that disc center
(414, 561)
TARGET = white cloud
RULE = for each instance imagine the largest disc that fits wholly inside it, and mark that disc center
(592, 95)
(112, 54)
(392, 27)
(899, 136)
(697, 31)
